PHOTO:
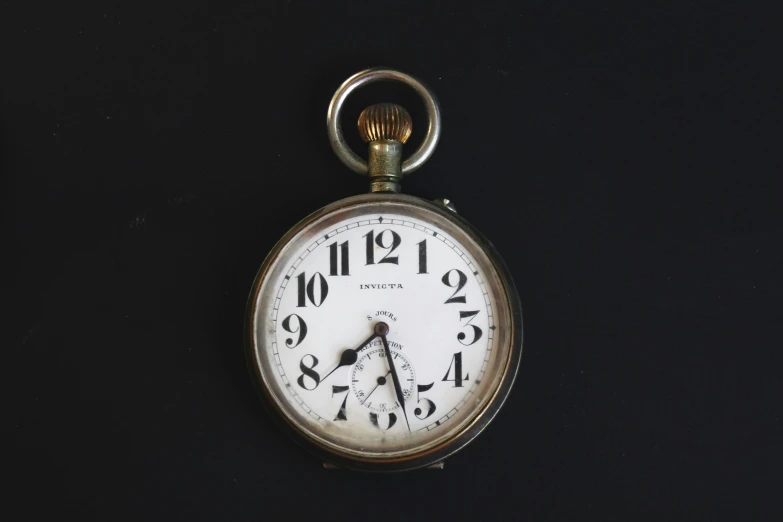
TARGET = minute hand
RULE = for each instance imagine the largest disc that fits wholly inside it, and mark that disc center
(397, 387)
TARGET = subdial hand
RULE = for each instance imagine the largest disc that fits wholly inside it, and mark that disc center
(393, 370)
(381, 381)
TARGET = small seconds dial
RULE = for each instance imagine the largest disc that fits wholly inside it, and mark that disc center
(373, 384)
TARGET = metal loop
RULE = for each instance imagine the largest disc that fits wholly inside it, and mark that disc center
(352, 160)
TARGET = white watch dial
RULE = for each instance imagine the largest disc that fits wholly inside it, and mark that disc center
(317, 321)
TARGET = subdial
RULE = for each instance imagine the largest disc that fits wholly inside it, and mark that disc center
(371, 380)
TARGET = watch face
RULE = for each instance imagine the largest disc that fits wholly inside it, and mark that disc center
(381, 329)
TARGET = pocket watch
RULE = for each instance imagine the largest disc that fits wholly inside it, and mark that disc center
(383, 331)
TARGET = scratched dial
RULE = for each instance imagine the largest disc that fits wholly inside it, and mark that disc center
(316, 322)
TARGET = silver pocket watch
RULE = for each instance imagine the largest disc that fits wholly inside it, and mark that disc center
(383, 331)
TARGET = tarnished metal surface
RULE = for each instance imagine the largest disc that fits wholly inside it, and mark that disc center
(384, 165)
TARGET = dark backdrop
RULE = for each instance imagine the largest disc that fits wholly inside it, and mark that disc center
(625, 161)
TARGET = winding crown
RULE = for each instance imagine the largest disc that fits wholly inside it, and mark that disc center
(385, 121)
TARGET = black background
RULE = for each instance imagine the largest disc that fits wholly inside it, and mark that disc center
(626, 161)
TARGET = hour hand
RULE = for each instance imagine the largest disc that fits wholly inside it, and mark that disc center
(349, 356)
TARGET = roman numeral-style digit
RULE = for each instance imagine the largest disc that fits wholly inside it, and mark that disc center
(307, 371)
(373, 240)
(300, 290)
(343, 259)
(341, 389)
(462, 280)
(429, 406)
(301, 329)
(308, 290)
(476, 330)
(370, 247)
(422, 256)
(456, 365)
(383, 424)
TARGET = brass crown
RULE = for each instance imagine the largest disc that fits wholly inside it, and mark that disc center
(385, 121)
